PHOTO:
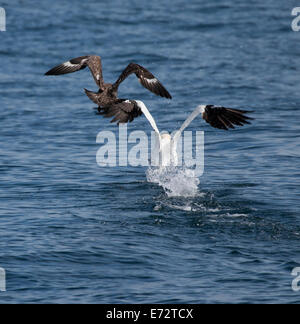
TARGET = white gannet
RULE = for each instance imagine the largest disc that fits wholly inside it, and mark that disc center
(218, 117)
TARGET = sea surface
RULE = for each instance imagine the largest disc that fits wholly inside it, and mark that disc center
(74, 232)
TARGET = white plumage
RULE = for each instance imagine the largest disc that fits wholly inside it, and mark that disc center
(166, 149)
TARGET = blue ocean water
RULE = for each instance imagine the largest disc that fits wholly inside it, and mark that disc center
(72, 232)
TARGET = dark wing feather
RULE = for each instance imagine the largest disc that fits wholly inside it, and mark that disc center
(92, 95)
(123, 111)
(79, 63)
(225, 118)
(70, 66)
(146, 78)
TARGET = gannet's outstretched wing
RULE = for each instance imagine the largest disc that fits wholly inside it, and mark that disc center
(199, 110)
(80, 63)
(146, 78)
(155, 154)
(176, 136)
(147, 114)
(218, 117)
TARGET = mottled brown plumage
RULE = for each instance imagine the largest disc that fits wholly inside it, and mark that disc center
(124, 111)
(107, 96)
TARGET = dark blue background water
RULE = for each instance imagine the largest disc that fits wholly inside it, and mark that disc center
(71, 231)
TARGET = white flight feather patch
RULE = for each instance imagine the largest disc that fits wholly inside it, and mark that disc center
(69, 64)
(152, 80)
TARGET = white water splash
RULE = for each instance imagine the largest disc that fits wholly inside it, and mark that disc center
(176, 181)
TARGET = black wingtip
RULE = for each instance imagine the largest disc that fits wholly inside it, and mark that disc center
(167, 95)
(163, 92)
(226, 118)
(51, 72)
